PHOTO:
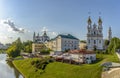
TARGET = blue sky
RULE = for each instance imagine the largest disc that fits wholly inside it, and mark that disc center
(56, 16)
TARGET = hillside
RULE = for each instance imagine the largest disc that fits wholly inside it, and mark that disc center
(63, 70)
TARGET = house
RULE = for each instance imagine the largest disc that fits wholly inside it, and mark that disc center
(76, 56)
(63, 43)
(83, 56)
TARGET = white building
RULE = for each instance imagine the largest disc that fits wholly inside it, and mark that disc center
(78, 56)
(63, 43)
(83, 56)
(94, 35)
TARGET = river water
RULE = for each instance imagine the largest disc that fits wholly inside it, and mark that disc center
(7, 70)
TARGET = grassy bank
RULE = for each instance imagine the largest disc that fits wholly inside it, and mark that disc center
(63, 70)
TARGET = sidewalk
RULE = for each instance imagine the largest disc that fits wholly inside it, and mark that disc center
(113, 72)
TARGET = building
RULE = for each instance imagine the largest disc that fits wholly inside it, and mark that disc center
(94, 35)
(40, 39)
(82, 45)
(36, 47)
(109, 34)
(63, 43)
(38, 42)
(83, 56)
(77, 56)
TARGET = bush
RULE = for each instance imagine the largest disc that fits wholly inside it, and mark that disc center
(40, 64)
(45, 51)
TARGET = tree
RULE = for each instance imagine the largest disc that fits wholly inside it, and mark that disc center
(15, 49)
(27, 46)
(107, 42)
(113, 45)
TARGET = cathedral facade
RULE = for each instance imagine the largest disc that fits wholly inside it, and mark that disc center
(40, 39)
(94, 35)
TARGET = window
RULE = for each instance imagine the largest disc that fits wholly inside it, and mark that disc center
(94, 32)
(88, 41)
(99, 41)
(94, 41)
(88, 31)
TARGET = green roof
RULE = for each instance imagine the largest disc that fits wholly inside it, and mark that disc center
(69, 36)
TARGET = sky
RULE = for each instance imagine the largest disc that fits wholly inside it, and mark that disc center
(20, 18)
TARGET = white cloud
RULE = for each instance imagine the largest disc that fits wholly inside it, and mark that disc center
(50, 33)
(44, 29)
(9, 32)
(11, 26)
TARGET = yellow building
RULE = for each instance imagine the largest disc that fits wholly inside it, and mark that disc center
(82, 45)
(36, 47)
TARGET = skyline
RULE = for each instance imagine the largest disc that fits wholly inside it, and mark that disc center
(22, 18)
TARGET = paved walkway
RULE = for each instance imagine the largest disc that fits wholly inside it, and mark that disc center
(113, 72)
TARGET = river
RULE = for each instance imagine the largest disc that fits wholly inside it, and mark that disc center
(7, 70)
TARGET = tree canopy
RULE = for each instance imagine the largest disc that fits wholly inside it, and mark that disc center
(15, 49)
(113, 45)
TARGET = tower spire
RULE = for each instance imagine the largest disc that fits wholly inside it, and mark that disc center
(109, 34)
(100, 21)
(89, 21)
(34, 37)
(45, 34)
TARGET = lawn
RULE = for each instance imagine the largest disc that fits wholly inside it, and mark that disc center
(64, 70)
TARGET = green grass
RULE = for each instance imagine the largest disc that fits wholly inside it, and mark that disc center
(63, 70)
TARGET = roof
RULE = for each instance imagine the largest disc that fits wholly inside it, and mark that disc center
(69, 36)
(81, 52)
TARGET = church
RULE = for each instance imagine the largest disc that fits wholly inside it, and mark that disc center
(95, 39)
(94, 35)
(40, 39)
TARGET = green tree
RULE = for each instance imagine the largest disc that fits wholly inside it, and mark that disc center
(113, 45)
(27, 46)
(107, 42)
(15, 49)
